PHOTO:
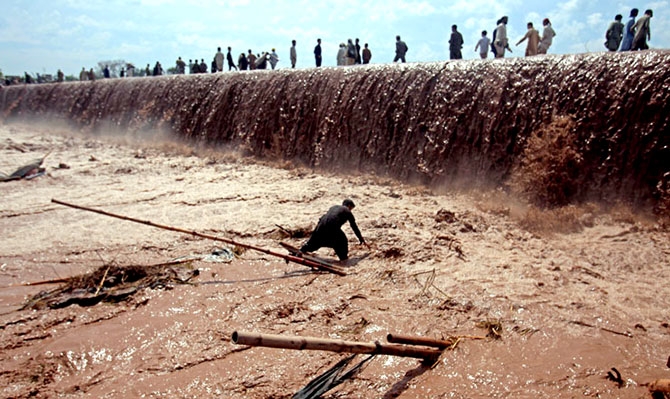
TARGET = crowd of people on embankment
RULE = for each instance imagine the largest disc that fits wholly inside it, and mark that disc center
(629, 37)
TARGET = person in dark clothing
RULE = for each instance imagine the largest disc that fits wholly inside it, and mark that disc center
(229, 58)
(262, 61)
(328, 232)
(242, 62)
(455, 44)
(317, 53)
(400, 49)
(367, 54)
(358, 51)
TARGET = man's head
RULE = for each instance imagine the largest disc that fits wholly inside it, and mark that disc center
(634, 12)
(397, 38)
(348, 203)
(453, 28)
(649, 12)
(484, 33)
(618, 17)
(530, 25)
(546, 22)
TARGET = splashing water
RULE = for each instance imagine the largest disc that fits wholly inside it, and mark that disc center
(434, 123)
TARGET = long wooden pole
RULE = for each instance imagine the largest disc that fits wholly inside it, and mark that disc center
(334, 345)
(403, 339)
(424, 341)
(291, 258)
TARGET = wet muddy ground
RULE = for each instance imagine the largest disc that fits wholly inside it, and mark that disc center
(574, 299)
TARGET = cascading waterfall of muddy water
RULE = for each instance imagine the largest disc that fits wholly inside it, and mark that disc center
(435, 123)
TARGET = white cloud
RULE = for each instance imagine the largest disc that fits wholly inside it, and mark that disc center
(568, 6)
(595, 19)
(656, 6)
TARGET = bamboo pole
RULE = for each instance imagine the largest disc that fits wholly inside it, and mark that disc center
(334, 345)
(424, 341)
(291, 258)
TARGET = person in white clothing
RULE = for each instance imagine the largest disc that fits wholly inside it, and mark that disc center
(342, 55)
(547, 37)
(274, 59)
(501, 42)
(218, 59)
(483, 45)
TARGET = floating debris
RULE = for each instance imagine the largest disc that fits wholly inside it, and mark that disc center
(219, 255)
(112, 284)
(29, 171)
(494, 328)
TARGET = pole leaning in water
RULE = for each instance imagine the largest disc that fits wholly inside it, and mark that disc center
(430, 355)
(288, 258)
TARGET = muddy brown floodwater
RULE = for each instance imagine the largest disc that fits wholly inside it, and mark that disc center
(576, 292)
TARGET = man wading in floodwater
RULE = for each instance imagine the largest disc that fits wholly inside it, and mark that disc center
(328, 232)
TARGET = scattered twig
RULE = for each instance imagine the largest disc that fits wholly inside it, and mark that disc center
(284, 230)
(525, 331)
(587, 271)
(102, 281)
(581, 323)
(430, 282)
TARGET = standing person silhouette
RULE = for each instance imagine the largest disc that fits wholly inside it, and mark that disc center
(218, 59)
(547, 37)
(501, 43)
(317, 53)
(231, 62)
(628, 33)
(455, 44)
(367, 54)
(400, 49)
(274, 59)
(614, 33)
(293, 54)
(642, 31)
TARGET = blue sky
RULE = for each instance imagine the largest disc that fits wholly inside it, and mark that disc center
(40, 36)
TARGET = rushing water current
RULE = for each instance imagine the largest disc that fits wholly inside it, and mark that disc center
(434, 123)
